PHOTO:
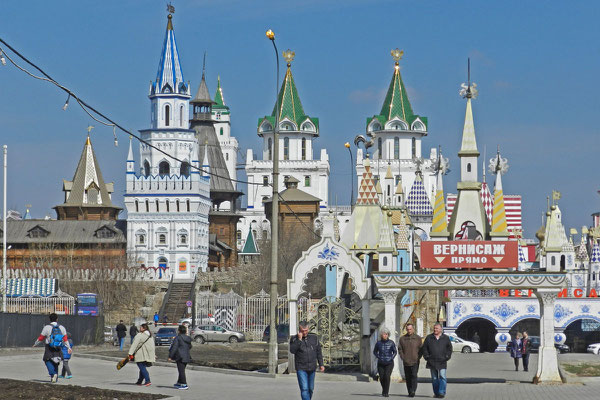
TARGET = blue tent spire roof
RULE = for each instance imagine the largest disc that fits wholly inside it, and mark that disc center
(169, 78)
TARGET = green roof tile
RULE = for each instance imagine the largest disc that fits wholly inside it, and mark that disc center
(219, 101)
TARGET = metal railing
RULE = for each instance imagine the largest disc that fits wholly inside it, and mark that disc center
(61, 304)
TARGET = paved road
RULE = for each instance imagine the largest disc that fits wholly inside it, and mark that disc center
(472, 377)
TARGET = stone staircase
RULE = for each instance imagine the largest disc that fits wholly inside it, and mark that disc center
(174, 302)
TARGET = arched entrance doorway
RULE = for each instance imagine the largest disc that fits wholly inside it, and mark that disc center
(529, 325)
(486, 330)
(581, 333)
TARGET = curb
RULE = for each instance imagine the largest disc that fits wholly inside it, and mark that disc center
(319, 377)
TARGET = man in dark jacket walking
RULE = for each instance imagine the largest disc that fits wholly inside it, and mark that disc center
(180, 353)
(437, 350)
(307, 351)
(133, 331)
(409, 348)
(121, 333)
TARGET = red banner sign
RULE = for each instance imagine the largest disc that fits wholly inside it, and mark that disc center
(469, 254)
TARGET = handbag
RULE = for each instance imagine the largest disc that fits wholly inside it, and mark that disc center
(124, 361)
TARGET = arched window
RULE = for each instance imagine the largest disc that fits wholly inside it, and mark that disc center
(147, 206)
(162, 238)
(146, 168)
(164, 168)
(181, 116)
(304, 148)
(469, 167)
(562, 261)
(385, 261)
(167, 114)
(188, 205)
(167, 202)
(379, 147)
(177, 205)
(157, 206)
(137, 206)
(184, 170)
(414, 147)
(221, 131)
(553, 260)
(397, 148)
(286, 148)
(270, 145)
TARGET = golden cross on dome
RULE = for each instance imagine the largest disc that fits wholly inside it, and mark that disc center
(289, 55)
(397, 55)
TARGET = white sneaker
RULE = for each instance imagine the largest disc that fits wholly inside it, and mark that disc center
(54, 378)
(183, 387)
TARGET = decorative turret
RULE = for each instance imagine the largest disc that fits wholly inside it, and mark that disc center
(499, 225)
(87, 197)
(291, 113)
(130, 159)
(396, 111)
(468, 220)
(417, 202)
(169, 93)
(439, 228)
(202, 103)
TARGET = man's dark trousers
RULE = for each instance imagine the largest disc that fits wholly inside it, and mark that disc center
(410, 373)
(526, 361)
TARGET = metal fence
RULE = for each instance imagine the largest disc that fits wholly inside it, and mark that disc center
(59, 303)
(246, 314)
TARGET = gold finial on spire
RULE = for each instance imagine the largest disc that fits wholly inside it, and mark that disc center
(89, 129)
(289, 55)
(397, 56)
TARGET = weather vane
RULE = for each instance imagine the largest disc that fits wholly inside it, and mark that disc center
(498, 164)
(289, 55)
(170, 8)
(89, 129)
(469, 89)
(441, 164)
(397, 55)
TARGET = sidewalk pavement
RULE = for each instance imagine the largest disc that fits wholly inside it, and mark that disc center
(211, 385)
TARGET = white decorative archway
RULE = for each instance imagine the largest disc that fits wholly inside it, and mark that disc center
(330, 253)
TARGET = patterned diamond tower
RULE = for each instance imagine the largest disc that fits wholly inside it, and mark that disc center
(487, 200)
(418, 203)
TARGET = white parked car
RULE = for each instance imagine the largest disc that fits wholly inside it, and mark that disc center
(464, 346)
(199, 321)
(594, 348)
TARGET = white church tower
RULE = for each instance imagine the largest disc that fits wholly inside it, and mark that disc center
(229, 144)
(167, 201)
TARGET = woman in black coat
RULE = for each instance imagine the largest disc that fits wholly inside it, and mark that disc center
(385, 351)
(180, 353)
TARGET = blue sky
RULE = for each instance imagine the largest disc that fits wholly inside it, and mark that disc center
(536, 65)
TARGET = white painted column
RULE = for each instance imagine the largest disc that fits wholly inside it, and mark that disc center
(293, 306)
(389, 297)
(547, 371)
(365, 317)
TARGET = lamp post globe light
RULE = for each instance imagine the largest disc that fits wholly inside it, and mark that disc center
(273, 351)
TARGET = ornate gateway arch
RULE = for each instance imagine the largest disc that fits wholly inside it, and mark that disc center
(545, 286)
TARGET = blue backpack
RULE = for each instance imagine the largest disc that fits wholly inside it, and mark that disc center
(56, 337)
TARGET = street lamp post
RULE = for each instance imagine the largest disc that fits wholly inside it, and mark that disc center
(4, 235)
(347, 145)
(274, 226)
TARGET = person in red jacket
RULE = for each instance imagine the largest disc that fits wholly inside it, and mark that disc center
(54, 337)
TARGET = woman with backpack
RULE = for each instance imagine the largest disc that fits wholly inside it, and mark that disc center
(66, 356)
(180, 353)
(143, 354)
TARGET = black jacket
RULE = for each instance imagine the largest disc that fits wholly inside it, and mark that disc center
(121, 331)
(307, 352)
(133, 331)
(385, 351)
(180, 349)
(437, 352)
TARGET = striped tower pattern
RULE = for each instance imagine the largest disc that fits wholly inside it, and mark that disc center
(499, 215)
(418, 202)
(595, 253)
(440, 222)
(367, 192)
(169, 67)
(512, 207)
(521, 255)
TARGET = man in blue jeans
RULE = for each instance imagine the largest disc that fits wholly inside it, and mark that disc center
(307, 351)
(437, 350)
(121, 333)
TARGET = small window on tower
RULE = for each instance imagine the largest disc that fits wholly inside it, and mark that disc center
(188, 205)
(164, 168)
(167, 114)
(220, 130)
(162, 239)
(307, 181)
(226, 156)
(265, 180)
(469, 167)
(146, 168)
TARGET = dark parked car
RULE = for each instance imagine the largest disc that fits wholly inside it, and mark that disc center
(165, 336)
(283, 333)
